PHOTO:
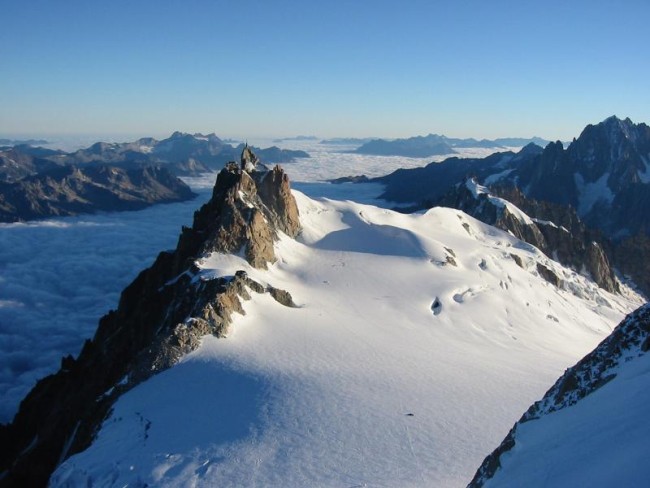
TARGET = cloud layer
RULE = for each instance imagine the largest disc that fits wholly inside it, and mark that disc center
(58, 277)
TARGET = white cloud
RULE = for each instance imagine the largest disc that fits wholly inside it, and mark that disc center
(58, 277)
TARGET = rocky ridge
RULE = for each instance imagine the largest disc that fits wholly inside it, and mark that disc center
(604, 175)
(564, 238)
(161, 315)
(71, 190)
(629, 341)
(21, 161)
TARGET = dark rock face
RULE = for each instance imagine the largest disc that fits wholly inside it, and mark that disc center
(161, 315)
(566, 238)
(572, 246)
(632, 257)
(70, 190)
(604, 174)
(548, 275)
(628, 341)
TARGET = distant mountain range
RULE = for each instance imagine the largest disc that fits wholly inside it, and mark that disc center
(296, 138)
(36, 182)
(14, 142)
(181, 153)
(344, 141)
(437, 145)
(184, 153)
(71, 190)
(604, 174)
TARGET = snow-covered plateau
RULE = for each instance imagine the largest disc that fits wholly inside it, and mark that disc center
(417, 342)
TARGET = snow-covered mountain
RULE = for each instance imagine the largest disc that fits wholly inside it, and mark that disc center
(356, 350)
(591, 428)
(603, 177)
(604, 174)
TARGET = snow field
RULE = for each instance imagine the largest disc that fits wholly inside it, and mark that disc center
(362, 384)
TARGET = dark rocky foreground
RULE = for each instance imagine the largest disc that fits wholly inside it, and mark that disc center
(71, 190)
(161, 316)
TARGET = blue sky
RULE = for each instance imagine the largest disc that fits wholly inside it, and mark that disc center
(339, 68)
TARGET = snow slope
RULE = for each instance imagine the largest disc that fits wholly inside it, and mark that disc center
(417, 342)
(601, 441)
(590, 428)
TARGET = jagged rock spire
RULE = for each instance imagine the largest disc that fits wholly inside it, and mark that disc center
(248, 159)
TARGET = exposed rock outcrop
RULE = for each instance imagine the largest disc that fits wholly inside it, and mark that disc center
(530, 221)
(161, 315)
(632, 258)
(565, 237)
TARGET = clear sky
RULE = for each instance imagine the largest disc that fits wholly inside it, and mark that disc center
(462, 68)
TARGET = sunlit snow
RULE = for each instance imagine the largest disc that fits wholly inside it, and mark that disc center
(364, 384)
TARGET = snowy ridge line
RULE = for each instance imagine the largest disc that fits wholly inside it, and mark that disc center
(629, 341)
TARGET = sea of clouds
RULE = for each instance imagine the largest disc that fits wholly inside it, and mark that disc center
(59, 276)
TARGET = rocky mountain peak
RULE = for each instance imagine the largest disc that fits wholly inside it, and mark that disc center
(245, 213)
(161, 315)
(529, 150)
(614, 124)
